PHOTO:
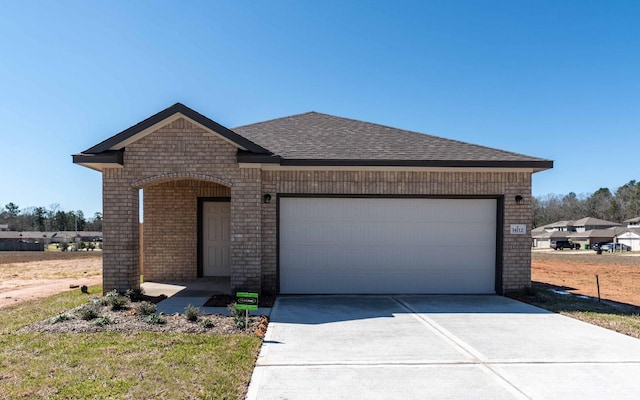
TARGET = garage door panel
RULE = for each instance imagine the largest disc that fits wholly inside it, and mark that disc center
(338, 245)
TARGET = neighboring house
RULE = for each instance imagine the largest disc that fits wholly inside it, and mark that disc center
(49, 237)
(587, 238)
(633, 222)
(4, 227)
(584, 231)
(630, 237)
(312, 203)
(589, 223)
(542, 239)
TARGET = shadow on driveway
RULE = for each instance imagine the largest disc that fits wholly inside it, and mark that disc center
(335, 308)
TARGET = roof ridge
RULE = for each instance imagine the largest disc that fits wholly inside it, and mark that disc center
(276, 119)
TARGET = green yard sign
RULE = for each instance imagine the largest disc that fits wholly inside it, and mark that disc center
(246, 301)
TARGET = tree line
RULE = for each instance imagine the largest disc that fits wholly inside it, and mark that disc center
(616, 206)
(48, 219)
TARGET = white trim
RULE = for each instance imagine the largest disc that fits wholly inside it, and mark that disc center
(100, 166)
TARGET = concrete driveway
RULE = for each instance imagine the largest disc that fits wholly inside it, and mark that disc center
(438, 347)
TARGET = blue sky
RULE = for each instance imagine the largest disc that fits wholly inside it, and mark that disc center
(552, 79)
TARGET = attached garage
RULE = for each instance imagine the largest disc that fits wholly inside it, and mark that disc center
(332, 245)
(312, 203)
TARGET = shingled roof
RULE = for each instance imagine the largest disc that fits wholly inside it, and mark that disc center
(317, 136)
(315, 139)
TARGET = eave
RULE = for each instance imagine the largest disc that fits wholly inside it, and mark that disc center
(98, 162)
(532, 165)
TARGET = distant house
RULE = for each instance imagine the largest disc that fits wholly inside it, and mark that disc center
(592, 236)
(631, 235)
(584, 231)
(49, 237)
(631, 223)
(4, 228)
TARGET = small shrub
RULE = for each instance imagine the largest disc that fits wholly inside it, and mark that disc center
(89, 311)
(207, 323)
(145, 308)
(239, 316)
(154, 319)
(191, 313)
(135, 294)
(102, 321)
(107, 297)
(60, 318)
(115, 300)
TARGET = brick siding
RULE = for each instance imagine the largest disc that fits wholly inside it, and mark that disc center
(181, 162)
(516, 258)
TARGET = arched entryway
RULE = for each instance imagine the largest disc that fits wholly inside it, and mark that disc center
(186, 229)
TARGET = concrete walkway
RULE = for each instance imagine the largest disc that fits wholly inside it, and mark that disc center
(438, 347)
(195, 293)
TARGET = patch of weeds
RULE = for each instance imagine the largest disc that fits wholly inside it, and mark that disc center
(89, 311)
(145, 308)
(135, 294)
(192, 313)
(60, 318)
(207, 323)
(154, 319)
(239, 316)
(102, 321)
(115, 300)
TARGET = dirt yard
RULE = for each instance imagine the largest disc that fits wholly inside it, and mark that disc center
(576, 271)
(31, 275)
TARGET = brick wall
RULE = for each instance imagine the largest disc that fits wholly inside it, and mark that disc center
(174, 165)
(170, 216)
(516, 258)
(180, 162)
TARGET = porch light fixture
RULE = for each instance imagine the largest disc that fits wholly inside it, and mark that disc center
(266, 199)
(519, 199)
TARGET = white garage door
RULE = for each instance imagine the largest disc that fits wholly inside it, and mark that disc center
(373, 245)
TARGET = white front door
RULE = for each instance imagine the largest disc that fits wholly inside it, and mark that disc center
(216, 238)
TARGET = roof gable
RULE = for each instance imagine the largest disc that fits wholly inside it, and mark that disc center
(316, 140)
(166, 116)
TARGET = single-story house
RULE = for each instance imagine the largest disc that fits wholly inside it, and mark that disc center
(312, 203)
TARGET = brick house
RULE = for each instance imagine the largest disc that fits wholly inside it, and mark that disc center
(312, 203)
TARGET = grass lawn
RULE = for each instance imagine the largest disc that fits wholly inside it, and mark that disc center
(617, 317)
(116, 365)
